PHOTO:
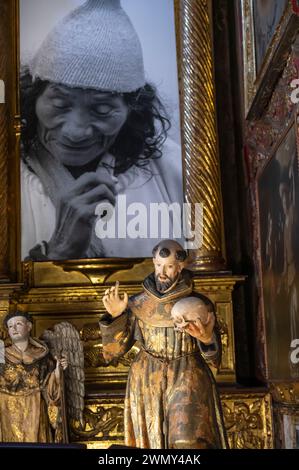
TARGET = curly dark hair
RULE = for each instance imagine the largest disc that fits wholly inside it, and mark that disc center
(140, 138)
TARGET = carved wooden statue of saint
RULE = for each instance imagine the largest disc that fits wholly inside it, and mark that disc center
(33, 401)
(171, 399)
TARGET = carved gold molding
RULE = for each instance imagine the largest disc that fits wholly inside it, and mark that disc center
(286, 393)
(103, 423)
(248, 420)
(82, 306)
(6, 291)
(247, 417)
(219, 290)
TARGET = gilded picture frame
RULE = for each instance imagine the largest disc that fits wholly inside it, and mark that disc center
(201, 171)
(260, 78)
(278, 199)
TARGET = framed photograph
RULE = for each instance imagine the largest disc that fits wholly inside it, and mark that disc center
(101, 158)
(269, 28)
(89, 180)
(278, 199)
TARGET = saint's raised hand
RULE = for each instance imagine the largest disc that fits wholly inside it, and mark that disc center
(113, 303)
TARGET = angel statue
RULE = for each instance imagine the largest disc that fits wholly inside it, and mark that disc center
(41, 382)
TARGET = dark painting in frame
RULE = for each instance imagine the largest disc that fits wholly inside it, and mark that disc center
(278, 199)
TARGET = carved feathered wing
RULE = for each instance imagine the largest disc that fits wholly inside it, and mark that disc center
(64, 339)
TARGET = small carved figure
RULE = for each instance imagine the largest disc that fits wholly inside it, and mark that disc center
(32, 374)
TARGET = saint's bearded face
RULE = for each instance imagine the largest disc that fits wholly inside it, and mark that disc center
(167, 271)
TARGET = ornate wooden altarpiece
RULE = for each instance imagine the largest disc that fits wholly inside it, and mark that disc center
(72, 290)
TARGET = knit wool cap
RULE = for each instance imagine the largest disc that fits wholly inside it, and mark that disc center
(94, 46)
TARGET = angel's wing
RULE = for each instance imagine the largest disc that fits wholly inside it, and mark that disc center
(64, 339)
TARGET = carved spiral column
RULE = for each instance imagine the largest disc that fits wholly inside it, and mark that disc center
(4, 142)
(202, 170)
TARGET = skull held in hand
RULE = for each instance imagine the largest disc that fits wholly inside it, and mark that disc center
(189, 310)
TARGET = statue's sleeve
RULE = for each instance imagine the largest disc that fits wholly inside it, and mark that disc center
(117, 334)
(53, 390)
(212, 352)
(53, 387)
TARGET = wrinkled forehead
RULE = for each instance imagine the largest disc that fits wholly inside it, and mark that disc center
(70, 92)
(17, 319)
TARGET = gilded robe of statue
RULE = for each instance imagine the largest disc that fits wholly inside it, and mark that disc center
(27, 387)
(171, 398)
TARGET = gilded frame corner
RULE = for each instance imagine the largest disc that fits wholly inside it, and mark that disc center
(259, 85)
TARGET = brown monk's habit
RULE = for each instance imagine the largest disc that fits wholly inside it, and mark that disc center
(171, 398)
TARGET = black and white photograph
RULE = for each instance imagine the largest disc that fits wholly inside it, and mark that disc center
(100, 140)
(266, 15)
